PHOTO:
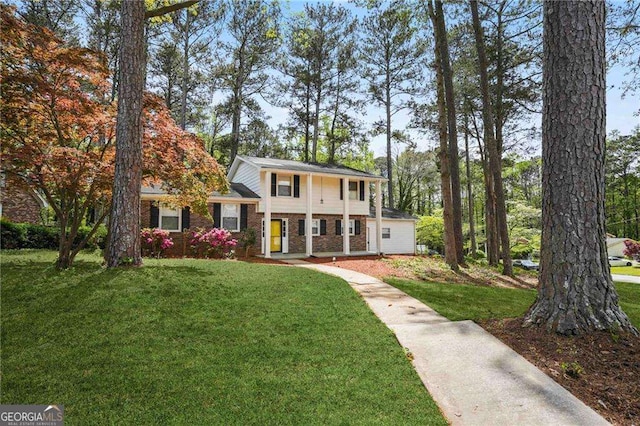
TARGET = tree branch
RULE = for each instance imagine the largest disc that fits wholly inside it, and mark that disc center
(168, 9)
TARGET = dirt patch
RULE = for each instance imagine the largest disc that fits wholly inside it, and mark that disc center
(602, 370)
(428, 269)
(255, 259)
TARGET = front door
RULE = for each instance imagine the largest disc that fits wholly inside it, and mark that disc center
(276, 235)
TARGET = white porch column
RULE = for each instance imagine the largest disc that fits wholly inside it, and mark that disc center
(307, 223)
(379, 216)
(267, 215)
(345, 216)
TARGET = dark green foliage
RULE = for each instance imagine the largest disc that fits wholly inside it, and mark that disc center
(29, 236)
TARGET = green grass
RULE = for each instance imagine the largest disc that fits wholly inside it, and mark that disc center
(200, 342)
(463, 302)
(626, 270)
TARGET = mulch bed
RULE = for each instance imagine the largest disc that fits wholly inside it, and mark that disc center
(602, 370)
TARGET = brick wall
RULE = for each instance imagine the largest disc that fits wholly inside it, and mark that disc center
(181, 245)
(20, 205)
(297, 243)
(321, 243)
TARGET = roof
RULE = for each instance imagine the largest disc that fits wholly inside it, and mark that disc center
(299, 166)
(236, 190)
(389, 213)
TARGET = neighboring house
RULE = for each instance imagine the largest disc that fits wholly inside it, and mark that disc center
(615, 246)
(306, 207)
(20, 204)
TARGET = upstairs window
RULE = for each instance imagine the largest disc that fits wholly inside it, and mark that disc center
(284, 186)
(353, 190)
(169, 218)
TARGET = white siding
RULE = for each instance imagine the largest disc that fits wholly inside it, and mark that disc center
(403, 236)
(249, 176)
(325, 194)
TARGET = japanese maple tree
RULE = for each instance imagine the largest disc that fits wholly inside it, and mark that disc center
(58, 133)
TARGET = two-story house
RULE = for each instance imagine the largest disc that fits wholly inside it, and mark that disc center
(295, 207)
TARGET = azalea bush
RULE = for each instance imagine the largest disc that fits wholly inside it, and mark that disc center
(632, 250)
(155, 241)
(215, 242)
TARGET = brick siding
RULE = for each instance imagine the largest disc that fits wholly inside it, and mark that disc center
(20, 205)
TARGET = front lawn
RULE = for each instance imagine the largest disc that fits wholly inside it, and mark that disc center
(626, 270)
(200, 342)
(461, 302)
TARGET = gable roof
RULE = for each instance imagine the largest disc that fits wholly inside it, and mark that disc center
(236, 190)
(299, 166)
(389, 213)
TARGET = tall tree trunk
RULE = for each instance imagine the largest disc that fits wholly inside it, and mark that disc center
(316, 126)
(576, 294)
(472, 226)
(124, 224)
(390, 199)
(185, 74)
(235, 123)
(445, 177)
(454, 162)
(307, 122)
(495, 161)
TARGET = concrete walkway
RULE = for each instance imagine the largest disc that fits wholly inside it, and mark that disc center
(474, 378)
(626, 278)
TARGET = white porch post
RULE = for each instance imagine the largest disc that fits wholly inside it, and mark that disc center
(378, 216)
(307, 224)
(345, 216)
(267, 215)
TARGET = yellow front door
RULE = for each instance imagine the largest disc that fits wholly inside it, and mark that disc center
(276, 235)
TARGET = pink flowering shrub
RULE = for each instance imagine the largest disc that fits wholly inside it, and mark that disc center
(632, 249)
(155, 241)
(215, 242)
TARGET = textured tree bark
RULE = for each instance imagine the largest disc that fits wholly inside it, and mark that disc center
(576, 294)
(390, 199)
(452, 128)
(124, 224)
(443, 153)
(495, 161)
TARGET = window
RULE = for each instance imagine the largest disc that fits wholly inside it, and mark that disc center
(386, 233)
(169, 218)
(315, 227)
(284, 186)
(352, 227)
(353, 190)
(230, 217)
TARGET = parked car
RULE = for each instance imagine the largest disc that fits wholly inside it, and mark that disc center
(526, 264)
(619, 261)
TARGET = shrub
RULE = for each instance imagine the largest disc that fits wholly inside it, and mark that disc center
(42, 237)
(12, 235)
(98, 240)
(248, 239)
(216, 242)
(155, 241)
(632, 249)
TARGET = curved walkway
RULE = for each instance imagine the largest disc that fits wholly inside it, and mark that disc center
(474, 378)
(626, 278)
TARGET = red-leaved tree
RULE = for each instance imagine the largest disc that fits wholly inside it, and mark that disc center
(58, 133)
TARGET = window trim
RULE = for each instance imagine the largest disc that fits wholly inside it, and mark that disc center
(282, 177)
(238, 214)
(352, 227)
(388, 234)
(161, 209)
(315, 223)
(354, 194)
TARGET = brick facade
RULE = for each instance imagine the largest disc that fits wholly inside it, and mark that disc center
(20, 205)
(297, 243)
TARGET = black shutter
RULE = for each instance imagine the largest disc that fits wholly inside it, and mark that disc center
(300, 226)
(361, 190)
(154, 221)
(217, 215)
(338, 226)
(296, 186)
(243, 217)
(341, 189)
(186, 218)
(357, 226)
(274, 184)
(323, 227)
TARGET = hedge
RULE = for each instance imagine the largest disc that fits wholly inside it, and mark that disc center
(29, 236)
